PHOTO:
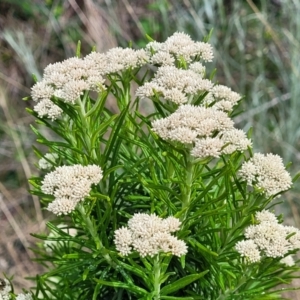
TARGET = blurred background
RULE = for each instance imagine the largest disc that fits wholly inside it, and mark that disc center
(257, 54)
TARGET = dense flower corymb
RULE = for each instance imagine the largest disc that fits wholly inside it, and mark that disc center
(170, 82)
(268, 239)
(288, 261)
(200, 121)
(198, 125)
(5, 289)
(149, 235)
(221, 97)
(69, 185)
(69, 79)
(267, 173)
(180, 45)
(249, 250)
(24, 297)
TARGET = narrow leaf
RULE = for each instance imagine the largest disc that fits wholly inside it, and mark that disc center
(181, 283)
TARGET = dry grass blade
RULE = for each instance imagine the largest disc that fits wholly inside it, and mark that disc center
(10, 125)
(17, 40)
(11, 220)
(97, 27)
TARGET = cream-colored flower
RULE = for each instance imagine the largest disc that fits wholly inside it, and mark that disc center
(249, 250)
(235, 140)
(149, 235)
(188, 123)
(182, 46)
(288, 261)
(69, 185)
(207, 147)
(267, 173)
(24, 297)
(265, 216)
(269, 237)
(5, 289)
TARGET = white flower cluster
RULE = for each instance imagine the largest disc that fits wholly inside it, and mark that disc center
(179, 85)
(119, 59)
(69, 79)
(206, 126)
(175, 84)
(267, 173)
(69, 185)
(24, 297)
(5, 289)
(221, 97)
(149, 235)
(210, 130)
(179, 46)
(269, 239)
(288, 261)
(48, 161)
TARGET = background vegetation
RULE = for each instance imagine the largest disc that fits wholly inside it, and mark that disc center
(257, 47)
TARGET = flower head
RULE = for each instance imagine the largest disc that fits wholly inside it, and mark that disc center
(24, 297)
(69, 185)
(120, 59)
(265, 216)
(190, 122)
(149, 235)
(270, 238)
(175, 84)
(207, 147)
(249, 250)
(288, 261)
(222, 98)
(181, 46)
(267, 173)
(5, 289)
(235, 140)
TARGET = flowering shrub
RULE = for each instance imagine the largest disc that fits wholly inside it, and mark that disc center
(163, 195)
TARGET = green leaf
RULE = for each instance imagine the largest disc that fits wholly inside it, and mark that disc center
(149, 38)
(97, 108)
(139, 271)
(208, 36)
(132, 288)
(296, 177)
(78, 48)
(164, 277)
(178, 298)
(85, 274)
(181, 283)
(201, 248)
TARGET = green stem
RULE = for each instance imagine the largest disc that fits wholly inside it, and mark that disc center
(186, 195)
(156, 283)
(86, 126)
(93, 231)
(90, 226)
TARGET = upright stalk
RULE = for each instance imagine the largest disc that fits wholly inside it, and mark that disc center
(188, 181)
(93, 231)
(157, 272)
(90, 226)
(86, 127)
